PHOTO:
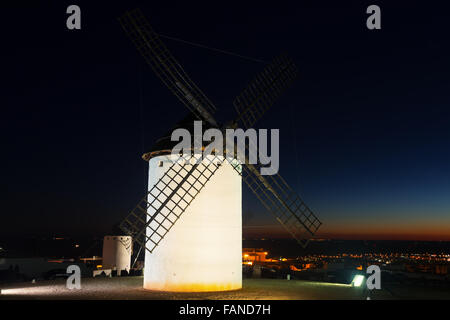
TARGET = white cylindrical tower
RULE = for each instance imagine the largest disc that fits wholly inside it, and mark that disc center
(203, 249)
(117, 252)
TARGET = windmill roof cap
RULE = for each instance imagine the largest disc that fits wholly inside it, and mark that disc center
(164, 145)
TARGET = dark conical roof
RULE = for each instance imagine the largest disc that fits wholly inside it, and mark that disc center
(164, 145)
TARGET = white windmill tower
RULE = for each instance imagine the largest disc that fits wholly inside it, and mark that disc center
(190, 221)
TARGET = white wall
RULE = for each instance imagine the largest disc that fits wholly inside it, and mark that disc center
(203, 250)
(117, 252)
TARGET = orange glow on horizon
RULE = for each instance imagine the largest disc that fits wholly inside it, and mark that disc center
(379, 230)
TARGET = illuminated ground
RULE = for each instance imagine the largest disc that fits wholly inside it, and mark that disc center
(127, 288)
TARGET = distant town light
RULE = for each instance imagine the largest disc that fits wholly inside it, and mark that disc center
(357, 280)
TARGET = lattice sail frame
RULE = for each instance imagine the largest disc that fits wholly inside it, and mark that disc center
(277, 197)
(263, 91)
(169, 198)
(272, 190)
(283, 203)
(165, 66)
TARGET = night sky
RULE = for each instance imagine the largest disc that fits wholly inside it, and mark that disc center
(364, 131)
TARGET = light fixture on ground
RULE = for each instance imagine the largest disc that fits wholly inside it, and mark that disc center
(357, 280)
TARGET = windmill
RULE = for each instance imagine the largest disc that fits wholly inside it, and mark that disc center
(190, 221)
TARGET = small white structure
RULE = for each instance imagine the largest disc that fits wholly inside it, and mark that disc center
(117, 253)
(96, 273)
(203, 250)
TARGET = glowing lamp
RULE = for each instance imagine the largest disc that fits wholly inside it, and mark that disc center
(357, 280)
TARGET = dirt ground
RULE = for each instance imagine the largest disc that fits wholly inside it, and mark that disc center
(130, 288)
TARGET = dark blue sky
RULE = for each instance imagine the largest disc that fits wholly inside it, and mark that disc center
(364, 130)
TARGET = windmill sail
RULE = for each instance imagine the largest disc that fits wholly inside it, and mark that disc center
(263, 91)
(165, 66)
(279, 199)
(273, 191)
(159, 210)
(283, 203)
